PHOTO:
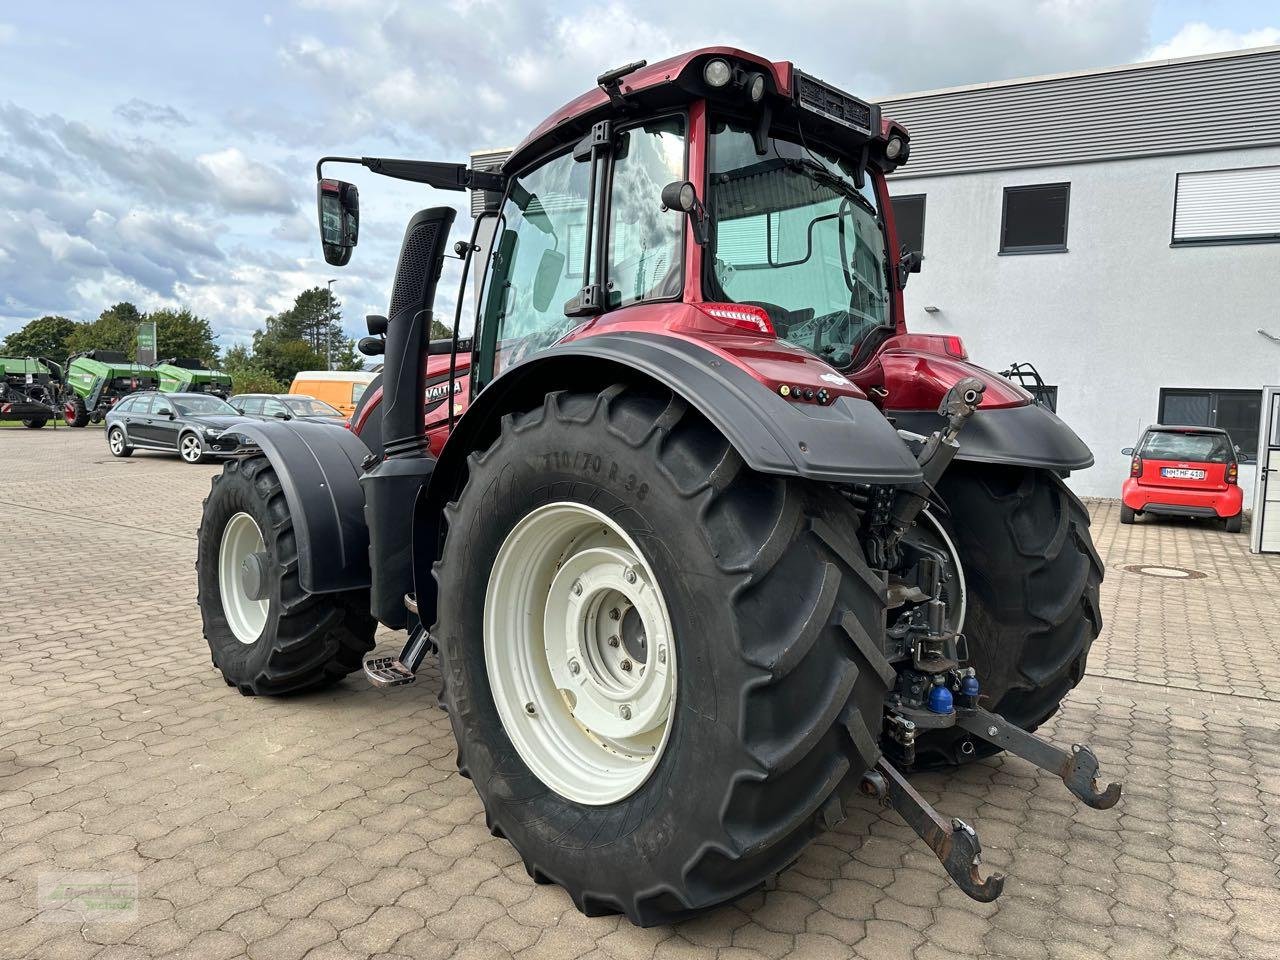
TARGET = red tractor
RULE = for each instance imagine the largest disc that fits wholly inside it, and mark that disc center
(706, 541)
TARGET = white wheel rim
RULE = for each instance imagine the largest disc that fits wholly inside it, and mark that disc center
(117, 441)
(191, 447)
(245, 616)
(588, 700)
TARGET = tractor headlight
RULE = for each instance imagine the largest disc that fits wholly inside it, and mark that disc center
(717, 73)
(893, 149)
(755, 87)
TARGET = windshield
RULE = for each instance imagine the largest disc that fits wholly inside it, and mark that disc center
(1200, 447)
(794, 234)
(201, 405)
(308, 407)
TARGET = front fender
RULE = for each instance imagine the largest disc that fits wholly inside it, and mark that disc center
(847, 441)
(319, 466)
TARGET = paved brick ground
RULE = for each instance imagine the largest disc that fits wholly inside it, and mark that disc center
(333, 825)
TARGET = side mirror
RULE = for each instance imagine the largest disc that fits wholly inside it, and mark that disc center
(239, 410)
(171, 415)
(338, 203)
(281, 415)
(547, 279)
(372, 346)
(681, 195)
(1127, 452)
(909, 262)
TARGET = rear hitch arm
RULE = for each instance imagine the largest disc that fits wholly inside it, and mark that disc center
(955, 844)
(1077, 768)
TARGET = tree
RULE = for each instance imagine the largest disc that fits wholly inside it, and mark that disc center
(115, 329)
(282, 359)
(46, 337)
(180, 333)
(253, 379)
(439, 331)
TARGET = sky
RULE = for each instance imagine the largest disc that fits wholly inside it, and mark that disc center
(164, 152)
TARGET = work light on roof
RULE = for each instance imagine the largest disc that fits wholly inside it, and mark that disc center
(755, 87)
(717, 73)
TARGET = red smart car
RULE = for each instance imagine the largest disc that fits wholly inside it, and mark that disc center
(1184, 472)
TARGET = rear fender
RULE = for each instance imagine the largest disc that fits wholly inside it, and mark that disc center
(847, 441)
(319, 466)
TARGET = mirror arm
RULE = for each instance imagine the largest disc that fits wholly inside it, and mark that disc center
(443, 176)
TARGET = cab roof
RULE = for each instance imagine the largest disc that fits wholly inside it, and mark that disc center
(667, 83)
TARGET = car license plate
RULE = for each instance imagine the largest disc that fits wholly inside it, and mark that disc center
(1181, 473)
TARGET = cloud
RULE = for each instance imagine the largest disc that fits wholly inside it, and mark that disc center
(8, 33)
(242, 184)
(138, 112)
(1197, 39)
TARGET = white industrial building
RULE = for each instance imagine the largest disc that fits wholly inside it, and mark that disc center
(1119, 229)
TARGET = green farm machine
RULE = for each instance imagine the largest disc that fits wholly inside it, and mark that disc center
(190, 375)
(96, 380)
(29, 389)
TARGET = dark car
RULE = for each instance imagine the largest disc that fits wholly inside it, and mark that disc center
(286, 406)
(189, 424)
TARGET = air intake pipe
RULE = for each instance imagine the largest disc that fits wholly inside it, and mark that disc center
(409, 330)
(392, 485)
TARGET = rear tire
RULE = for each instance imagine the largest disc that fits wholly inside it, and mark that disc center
(1032, 575)
(1234, 524)
(306, 640)
(777, 626)
(74, 412)
(1127, 514)
(118, 444)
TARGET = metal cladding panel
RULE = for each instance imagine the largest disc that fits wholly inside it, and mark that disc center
(1221, 204)
(488, 160)
(1219, 102)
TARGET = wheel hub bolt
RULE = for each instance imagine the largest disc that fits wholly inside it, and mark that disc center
(626, 665)
(574, 667)
(613, 641)
(615, 614)
(630, 576)
(530, 709)
(577, 588)
(624, 712)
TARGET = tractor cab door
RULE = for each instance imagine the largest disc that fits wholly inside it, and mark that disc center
(580, 226)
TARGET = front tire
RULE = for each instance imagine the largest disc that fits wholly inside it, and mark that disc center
(776, 626)
(191, 448)
(266, 635)
(118, 444)
(1032, 576)
(35, 423)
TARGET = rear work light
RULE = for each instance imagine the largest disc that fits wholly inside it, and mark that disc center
(740, 316)
(955, 348)
(1135, 468)
(1233, 473)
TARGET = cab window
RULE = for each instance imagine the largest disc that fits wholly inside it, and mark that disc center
(645, 261)
(537, 260)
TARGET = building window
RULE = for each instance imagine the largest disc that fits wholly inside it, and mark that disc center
(1035, 218)
(908, 215)
(1236, 411)
(1227, 206)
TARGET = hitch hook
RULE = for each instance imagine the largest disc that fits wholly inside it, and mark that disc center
(954, 843)
(1078, 768)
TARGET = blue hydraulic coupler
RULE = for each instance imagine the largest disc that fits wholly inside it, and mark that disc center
(940, 700)
(969, 690)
